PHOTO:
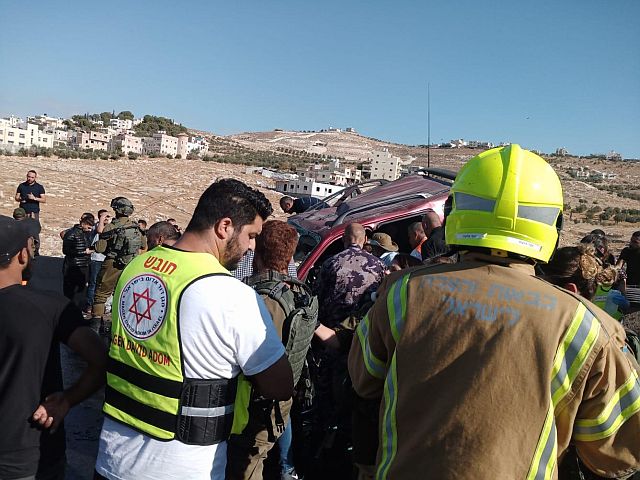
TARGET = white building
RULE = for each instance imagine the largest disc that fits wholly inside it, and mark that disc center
(93, 140)
(561, 152)
(47, 122)
(126, 143)
(182, 148)
(61, 138)
(479, 144)
(14, 121)
(120, 125)
(330, 173)
(198, 145)
(385, 166)
(613, 155)
(304, 187)
(23, 135)
(161, 144)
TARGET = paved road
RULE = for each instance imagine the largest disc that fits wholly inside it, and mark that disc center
(84, 421)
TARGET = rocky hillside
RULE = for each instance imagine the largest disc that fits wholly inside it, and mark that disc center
(162, 188)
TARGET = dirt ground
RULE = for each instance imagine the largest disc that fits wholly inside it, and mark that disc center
(161, 188)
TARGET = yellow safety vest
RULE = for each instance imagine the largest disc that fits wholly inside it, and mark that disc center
(600, 299)
(146, 387)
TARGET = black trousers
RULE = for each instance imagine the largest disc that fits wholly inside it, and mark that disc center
(74, 283)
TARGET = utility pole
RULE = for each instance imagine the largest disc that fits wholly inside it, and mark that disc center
(428, 125)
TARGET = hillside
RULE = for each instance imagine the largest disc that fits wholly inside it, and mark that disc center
(162, 188)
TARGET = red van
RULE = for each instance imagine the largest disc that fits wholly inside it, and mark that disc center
(389, 207)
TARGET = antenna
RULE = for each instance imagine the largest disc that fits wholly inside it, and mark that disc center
(428, 124)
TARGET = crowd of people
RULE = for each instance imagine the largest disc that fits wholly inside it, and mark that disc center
(484, 352)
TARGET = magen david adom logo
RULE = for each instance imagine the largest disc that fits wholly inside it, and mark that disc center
(143, 306)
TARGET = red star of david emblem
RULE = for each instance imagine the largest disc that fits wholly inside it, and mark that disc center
(142, 297)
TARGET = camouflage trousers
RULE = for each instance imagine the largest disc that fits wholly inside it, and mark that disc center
(105, 285)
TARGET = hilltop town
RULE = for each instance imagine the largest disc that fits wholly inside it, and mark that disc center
(163, 167)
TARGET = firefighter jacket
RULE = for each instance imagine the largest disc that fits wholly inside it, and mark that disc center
(486, 372)
(146, 388)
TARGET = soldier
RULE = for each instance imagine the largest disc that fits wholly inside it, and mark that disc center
(120, 241)
(484, 371)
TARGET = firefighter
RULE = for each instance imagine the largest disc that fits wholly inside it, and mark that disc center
(484, 371)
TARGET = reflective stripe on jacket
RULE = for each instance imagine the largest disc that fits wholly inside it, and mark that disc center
(485, 371)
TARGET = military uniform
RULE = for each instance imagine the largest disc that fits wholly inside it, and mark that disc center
(343, 282)
(493, 373)
(120, 241)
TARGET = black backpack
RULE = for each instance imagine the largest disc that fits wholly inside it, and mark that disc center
(300, 307)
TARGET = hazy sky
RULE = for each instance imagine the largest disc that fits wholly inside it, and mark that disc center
(543, 74)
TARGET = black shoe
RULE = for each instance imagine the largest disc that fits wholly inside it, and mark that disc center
(105, 328)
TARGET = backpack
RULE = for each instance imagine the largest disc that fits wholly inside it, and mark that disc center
(301, 314)
(127, 244)
(633, 342)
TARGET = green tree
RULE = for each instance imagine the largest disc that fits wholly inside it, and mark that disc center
(125, 115)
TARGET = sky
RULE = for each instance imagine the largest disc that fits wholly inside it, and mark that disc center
(543, 74)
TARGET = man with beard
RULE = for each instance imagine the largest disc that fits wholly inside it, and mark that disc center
(189, 341)
(630, 257)
(32, 401)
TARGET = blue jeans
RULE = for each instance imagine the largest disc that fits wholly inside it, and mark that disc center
(286, 452)
(94, 268)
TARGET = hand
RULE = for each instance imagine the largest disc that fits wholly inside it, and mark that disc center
(52, 411)
(88, 251)
(31, 196)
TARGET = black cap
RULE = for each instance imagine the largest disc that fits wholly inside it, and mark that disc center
(14, 235)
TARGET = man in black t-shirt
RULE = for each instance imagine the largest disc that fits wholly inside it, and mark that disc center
(33, 322)
(435, 244)
(631, 257)
(30, 194)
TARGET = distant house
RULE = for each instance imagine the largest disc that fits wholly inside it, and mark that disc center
(303, 187)
(160, 144)
(330, 173)
(23, 135)
(120, 125)
(127, 143)
(385, 166)
(93, 140)
(612, 155)
(561, 152)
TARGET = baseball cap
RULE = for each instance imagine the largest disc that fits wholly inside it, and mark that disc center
(14, 235)
(384, 241)
(19, 213)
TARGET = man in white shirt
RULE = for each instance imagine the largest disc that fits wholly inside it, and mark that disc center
(224, 329)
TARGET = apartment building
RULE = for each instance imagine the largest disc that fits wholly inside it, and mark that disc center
(48, 123)
(198, 145)
(126, 143)
(160, 143)
(120, 125)
(93, 140)
(385, 166)
(330, 173)
(23, 135)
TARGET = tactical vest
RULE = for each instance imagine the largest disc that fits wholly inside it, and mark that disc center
(600, 299)
(146, 387)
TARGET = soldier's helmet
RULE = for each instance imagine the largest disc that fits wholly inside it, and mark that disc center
(507, 199)
(122, 205)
